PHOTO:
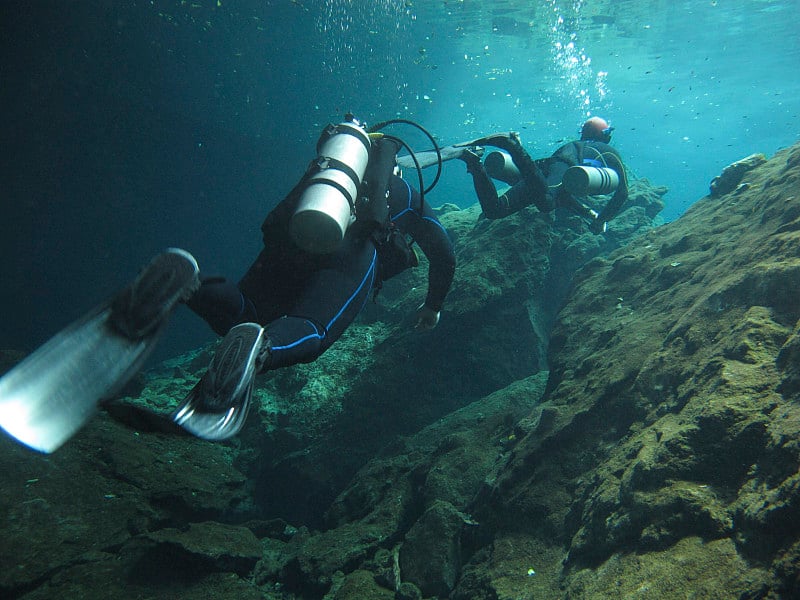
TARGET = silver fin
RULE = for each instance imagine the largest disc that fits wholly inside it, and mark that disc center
(50, 395)
(217, 407)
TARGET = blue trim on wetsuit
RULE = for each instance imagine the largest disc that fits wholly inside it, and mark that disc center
(369, 277)
(435, 222)
(410, 209)
(370, 272)
(296, 343)
(242, 305)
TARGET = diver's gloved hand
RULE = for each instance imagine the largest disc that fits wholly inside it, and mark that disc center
(427, 318)
(506, 140)
(471, 155)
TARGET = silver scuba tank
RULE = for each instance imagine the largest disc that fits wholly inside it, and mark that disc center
(326, 207)
(583, 180)
(499, 165)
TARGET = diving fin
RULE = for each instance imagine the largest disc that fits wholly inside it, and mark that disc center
(429, 158)
(51, 394)
(217, 407)
(503, 140)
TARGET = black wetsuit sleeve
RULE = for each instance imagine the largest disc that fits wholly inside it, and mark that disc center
(422, 225)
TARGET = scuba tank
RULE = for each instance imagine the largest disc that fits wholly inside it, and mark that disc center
(590, 181)
(500, 166)
(326, 207)
(348, 183)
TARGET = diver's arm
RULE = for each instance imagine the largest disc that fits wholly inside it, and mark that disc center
(437, 247)
(430, 234)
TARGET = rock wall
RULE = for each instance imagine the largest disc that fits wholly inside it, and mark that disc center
(668, 465)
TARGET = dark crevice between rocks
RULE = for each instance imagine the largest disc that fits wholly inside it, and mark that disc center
(181, 512)
(165, 566)
(20, 591)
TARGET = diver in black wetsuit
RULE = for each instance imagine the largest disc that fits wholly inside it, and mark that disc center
(304, 290)
(346, 227)
(305, 301)
(539, 182)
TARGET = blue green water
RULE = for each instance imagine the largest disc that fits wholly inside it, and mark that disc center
(132, 126)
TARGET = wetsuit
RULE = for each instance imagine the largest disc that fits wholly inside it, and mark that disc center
(305, 301)
(541, 181)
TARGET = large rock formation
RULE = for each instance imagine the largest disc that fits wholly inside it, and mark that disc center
(631, 430)
(668, 463)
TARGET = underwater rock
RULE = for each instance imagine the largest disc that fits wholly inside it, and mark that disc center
(732, 175)
(110, 484)
(358, 585)
(676, 424)
(430, 556)
(408, 591)
(211, 545)
(311, 564)
(788, 362)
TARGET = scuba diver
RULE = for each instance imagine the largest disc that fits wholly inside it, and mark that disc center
(345, 228)
(589, 166)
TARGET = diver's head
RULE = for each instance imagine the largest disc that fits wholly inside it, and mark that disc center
(597, 130)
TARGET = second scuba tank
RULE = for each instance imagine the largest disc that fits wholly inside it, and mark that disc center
(326, 207)
(590, 181)
(500, 166)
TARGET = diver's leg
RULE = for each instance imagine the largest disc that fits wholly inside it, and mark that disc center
(217, 407)
(331, 299)
(534, 178)
(319, 301)
(143, 306)
(221, 304)
(493, 207)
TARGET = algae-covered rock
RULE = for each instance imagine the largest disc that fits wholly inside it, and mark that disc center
(211, 545)
(690, 568)
(68, 513)
(430, 556)
(731, 176)
(669, 468)
(357, 585)
(105, 486)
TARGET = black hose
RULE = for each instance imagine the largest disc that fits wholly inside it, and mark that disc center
(419, 169)
(382, 124)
